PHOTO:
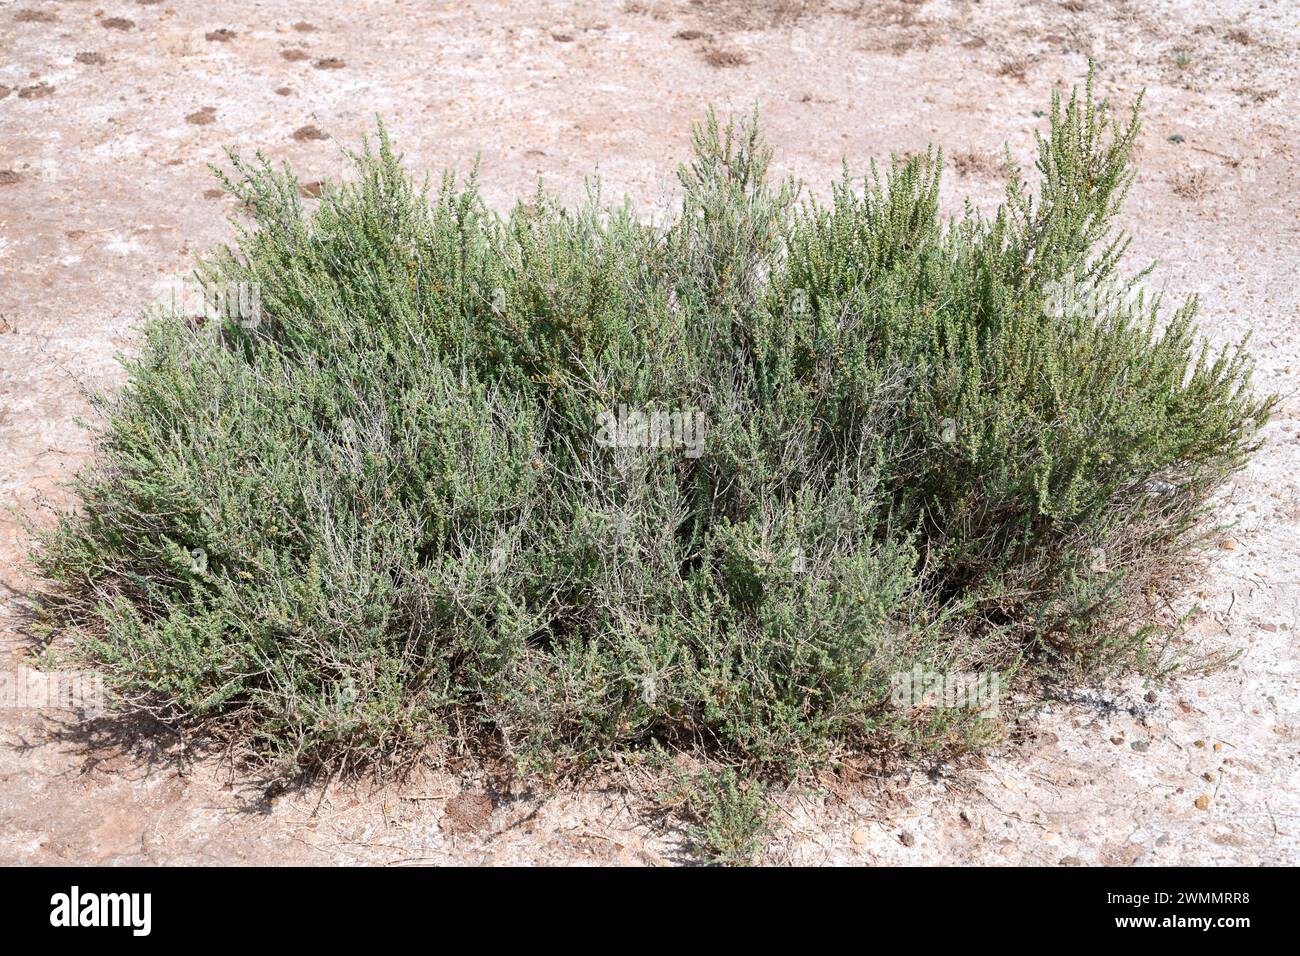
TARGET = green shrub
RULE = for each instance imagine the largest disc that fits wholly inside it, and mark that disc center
(399, 506)
(727, 819)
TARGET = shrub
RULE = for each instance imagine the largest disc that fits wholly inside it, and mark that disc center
(413, 501)
(727, 819)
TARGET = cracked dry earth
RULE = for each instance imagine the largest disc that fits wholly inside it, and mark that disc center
(111, 111)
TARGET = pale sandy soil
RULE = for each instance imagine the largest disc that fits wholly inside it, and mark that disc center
(106, 128)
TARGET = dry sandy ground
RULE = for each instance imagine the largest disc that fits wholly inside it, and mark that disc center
(110, 113)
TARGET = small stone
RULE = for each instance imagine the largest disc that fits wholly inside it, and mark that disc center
(1162, 840)
(1177, 138)
(860, 837)
(906, 839)
(1117, 740)
(1150, 698)
(1218, 747)
(1199, 743)
(1227, 544)
(1203, 802)
(1141, 746)
(1269, 627)
(1071, 861)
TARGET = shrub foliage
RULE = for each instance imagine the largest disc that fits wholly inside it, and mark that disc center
(389, 514)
